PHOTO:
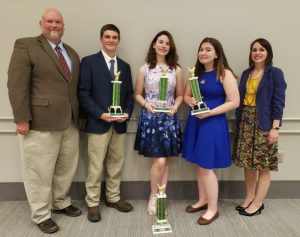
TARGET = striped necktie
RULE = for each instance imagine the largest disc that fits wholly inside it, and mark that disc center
(63, 63)
(112, 68)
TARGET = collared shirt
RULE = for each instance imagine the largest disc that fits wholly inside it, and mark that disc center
(64, 53)
(107, 60)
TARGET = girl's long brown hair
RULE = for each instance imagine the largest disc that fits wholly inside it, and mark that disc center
(220, 63)
(171, 58)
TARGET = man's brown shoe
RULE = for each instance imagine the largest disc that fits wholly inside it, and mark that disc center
(191, 209)
(120, 205)
(203, 221)
(94, 214)
(69, 211)
(48, 226)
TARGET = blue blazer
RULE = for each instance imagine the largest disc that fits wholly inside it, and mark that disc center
(270, 97)
(95, 92)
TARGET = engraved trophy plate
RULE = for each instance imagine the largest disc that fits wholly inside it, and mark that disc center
(161, 225)
(115, 110)
(200, 107)
(162, 104)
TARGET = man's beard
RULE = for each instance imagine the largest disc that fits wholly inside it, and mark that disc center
(55, 35)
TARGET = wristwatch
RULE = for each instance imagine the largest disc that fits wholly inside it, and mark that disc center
(274, 127)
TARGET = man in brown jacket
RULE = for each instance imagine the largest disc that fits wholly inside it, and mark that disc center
(42, 84)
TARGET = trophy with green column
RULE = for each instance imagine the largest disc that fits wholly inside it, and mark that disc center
(115, 109)
(162, 104)
(161, 225)
(200, 107)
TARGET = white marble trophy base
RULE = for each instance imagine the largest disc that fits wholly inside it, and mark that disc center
(161, 228)
(162, 107)
(117, 115)
(162, 110)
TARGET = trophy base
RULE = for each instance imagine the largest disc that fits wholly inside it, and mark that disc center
(116, 111)
(162, 107)
(161, 228)
(117, 115)
(162, 110)
(200, 111)
(200, 108)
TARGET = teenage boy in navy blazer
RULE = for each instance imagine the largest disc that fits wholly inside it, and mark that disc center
(106, 134)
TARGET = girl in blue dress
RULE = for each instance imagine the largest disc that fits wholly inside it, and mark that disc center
(159, 134)
(206, 136)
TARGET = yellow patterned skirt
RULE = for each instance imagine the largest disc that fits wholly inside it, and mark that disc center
(251, 149)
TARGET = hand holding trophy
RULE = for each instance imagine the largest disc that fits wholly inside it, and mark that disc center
(200, 107)
(162, 225)
(162, 104)
(115, 109)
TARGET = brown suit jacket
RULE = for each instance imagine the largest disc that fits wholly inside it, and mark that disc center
(38, 91)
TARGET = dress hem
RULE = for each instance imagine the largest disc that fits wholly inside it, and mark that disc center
(205, 167)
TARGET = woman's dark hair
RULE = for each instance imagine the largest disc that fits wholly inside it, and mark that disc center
(266, 44)
(220, 63)
(171, 57)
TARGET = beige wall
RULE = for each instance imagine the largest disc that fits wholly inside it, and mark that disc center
(234, 22)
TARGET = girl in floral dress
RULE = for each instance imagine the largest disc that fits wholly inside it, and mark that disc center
(159, 134)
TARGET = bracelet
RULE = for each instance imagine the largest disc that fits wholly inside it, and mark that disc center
(145, 104)
(276, 128)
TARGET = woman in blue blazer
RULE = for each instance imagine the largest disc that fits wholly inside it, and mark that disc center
(258, 119)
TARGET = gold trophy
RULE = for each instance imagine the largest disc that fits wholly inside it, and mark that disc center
(200, 107)
(115, 109)
(162, 225)
(162, 104)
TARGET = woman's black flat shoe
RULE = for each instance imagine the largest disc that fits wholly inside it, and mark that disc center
(258, 211)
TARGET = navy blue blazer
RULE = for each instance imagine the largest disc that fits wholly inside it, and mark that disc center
(95, 92)
(270, 97)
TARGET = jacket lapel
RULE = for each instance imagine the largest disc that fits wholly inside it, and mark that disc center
(263, 79)
(48, 49)
(103, 65)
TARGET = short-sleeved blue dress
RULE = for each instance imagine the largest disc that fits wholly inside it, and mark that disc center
(206, 142)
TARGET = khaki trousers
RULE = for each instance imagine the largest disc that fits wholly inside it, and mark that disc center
(108, 147)
(49, 163)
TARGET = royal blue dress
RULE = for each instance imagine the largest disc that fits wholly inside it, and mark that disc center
(206, 142)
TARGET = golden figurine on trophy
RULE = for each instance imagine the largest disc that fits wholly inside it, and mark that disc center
(162, 104)
(162, 225)
(115, 109)
(200, 107)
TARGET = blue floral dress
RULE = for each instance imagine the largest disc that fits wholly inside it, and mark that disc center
(158, 135)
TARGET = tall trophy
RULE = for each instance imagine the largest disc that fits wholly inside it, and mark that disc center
(161, 225)
(162, 104)
(115, 109)
(200, 107)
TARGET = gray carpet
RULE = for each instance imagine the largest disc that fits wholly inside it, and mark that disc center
(281, 218)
